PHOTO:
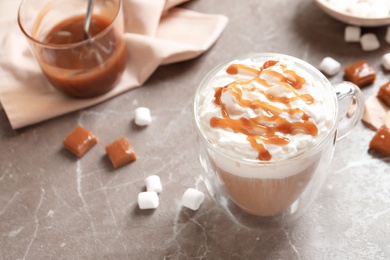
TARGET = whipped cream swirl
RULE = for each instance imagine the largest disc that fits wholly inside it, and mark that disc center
(264, 109)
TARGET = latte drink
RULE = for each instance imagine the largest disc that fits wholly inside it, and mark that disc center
(262, 119)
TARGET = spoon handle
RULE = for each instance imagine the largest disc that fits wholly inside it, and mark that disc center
(87, 21)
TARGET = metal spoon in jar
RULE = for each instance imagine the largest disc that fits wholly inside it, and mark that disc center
(87, 21)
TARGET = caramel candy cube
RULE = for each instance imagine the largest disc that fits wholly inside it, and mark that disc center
(360, 73)
(384, 93)
(120, 152)
(79, 141)
(381, 141)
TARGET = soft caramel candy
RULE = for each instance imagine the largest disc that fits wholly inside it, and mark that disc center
(120, 152)
(360, 73)
(384, 93)
(79, 141)
(381, 141)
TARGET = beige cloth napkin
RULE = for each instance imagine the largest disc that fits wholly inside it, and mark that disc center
(157, 33)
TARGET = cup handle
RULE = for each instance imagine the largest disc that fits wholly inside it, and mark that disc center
(351, 107)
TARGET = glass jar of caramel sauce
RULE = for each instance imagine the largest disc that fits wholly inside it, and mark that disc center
(77, 66)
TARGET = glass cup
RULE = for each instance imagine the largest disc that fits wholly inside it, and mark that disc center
(265, 194)
(76, 65)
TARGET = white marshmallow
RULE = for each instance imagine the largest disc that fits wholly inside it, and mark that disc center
(352, 33)
(142, 116)
(378, 10)
(339, 5)
(386, 61)
(153, 183)
(387, 37)
(148, 200)
(369, 42)
(330, 66)
(361, 9)
(192, 198)
(384, 2)
(349, 4)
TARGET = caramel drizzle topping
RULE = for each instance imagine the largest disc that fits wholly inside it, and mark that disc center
(264, 128)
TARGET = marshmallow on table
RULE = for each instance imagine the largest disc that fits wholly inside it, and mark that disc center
(352, 33)
(369, 42)
(192, 198)
(142, 116)
(330, 66)
(153, 183)
(148, 200)
(386, 61)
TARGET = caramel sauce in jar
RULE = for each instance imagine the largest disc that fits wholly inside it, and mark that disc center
(83, 68)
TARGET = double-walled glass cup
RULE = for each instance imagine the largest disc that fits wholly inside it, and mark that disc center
(76, 64)
(273, 194)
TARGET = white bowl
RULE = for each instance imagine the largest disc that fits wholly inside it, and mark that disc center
(351, 19)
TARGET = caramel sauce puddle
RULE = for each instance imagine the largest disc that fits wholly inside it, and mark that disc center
(264, 128)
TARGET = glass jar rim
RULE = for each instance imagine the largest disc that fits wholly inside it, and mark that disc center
(70, 45)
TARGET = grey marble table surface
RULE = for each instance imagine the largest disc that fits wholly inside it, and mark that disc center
(53, 206)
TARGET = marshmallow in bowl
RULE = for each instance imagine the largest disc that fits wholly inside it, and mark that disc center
(369, 42)
(352, 33)
(339, 5)
(330, 66)
(148, 200)
(378, 10)
(142, 116)
(362, 8)
(192, 199)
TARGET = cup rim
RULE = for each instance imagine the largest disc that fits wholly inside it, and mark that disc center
(302, 154)
(68, 45)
